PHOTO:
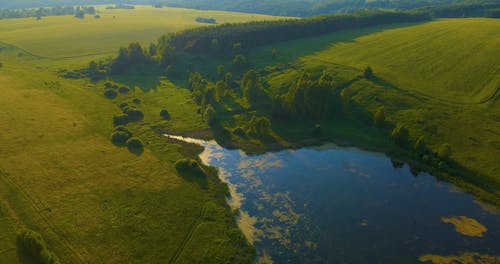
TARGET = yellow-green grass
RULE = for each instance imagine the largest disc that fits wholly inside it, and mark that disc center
(67, 36)
(92, 201)
(452, 59)
(440, 79)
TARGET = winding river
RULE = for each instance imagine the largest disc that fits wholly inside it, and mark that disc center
(343, 205)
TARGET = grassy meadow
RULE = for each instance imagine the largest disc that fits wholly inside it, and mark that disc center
(60, 175)
(440, 79)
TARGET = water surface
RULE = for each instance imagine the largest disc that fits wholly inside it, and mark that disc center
(344, 205)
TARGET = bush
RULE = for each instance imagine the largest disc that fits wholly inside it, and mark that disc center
(32, 244)
(110, 93)
(137, 101)
(108, 85)
(188, 167)
(134, 143)
(119, 138)
(124, 89)
(239, 131)
(133, 114)
(123, 105)
(165, 114)
(120, 120)
(400, 135)
(210, 115)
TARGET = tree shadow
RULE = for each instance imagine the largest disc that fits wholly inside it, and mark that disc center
(145, 78)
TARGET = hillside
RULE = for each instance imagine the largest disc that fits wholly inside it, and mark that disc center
(60, 173)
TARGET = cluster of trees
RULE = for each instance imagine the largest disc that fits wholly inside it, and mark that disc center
(121, 6)
(309, 98)
(189, 167)
(472, 9)
(31, 244)
(135, 56)
(206, 20)
(418, 148)
(221, 39)
(78, 11)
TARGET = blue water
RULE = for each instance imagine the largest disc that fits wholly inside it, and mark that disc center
(340, 205)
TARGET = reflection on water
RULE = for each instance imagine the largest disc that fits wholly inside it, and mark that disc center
(339, 205)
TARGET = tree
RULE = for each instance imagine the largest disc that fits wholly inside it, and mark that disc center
(368, 72)
(165, 114)
(220, 71)
(250, 84)
(152, 50)
(400, 135)
(134, 144)
(419, 145)
(240, 62)
(209, 115)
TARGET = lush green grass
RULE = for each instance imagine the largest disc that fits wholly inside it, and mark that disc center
(60, 174)
(66, 36)
(440, 79)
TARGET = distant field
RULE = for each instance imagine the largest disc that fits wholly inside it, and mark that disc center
(67, 36)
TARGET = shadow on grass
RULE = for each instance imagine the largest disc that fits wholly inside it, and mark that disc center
(146, 78)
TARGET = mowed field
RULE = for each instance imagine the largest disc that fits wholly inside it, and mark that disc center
(60, 175)
(440, 79)
(66, 36)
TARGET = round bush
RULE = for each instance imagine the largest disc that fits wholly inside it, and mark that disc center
(123, 105)
(165, 114)
(134, 143)
(124, 90)
(187, 167)
(120, 137)
(133, 114)
(120, 120)
(110, 93)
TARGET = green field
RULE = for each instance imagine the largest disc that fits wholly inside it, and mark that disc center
(66, 36)
(440, 79)
(60, 174)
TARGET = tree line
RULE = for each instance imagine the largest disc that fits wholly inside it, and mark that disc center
(221, 39)
(78, 11)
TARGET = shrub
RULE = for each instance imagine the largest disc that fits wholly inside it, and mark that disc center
(210, 115)
(444, 151)
(108, 85)
(400, 135)
(419, 145)
(137, 101)
(123, 105)
(239, 131)
(379, 117)
(110, 93)
(32, 244)
(165, 114)
(133, 114)
(119, 138)
(124, 89)
(188, 167)
(120, 120)
(134, 143)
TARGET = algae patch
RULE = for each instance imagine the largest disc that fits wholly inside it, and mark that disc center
(467, 257)
(466, 226)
